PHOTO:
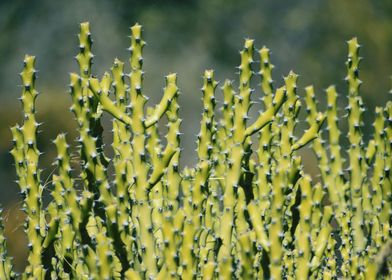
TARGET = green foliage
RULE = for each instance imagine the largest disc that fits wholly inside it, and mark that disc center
(246, 210)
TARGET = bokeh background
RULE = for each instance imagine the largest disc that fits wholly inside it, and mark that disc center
(186, 37)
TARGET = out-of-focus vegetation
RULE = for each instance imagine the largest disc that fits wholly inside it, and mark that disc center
(184, 37)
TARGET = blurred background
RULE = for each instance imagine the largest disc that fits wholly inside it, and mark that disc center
(186, 37)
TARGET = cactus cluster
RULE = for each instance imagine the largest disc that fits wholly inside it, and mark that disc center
(246, 210)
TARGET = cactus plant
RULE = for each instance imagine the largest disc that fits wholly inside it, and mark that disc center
(245, 211)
